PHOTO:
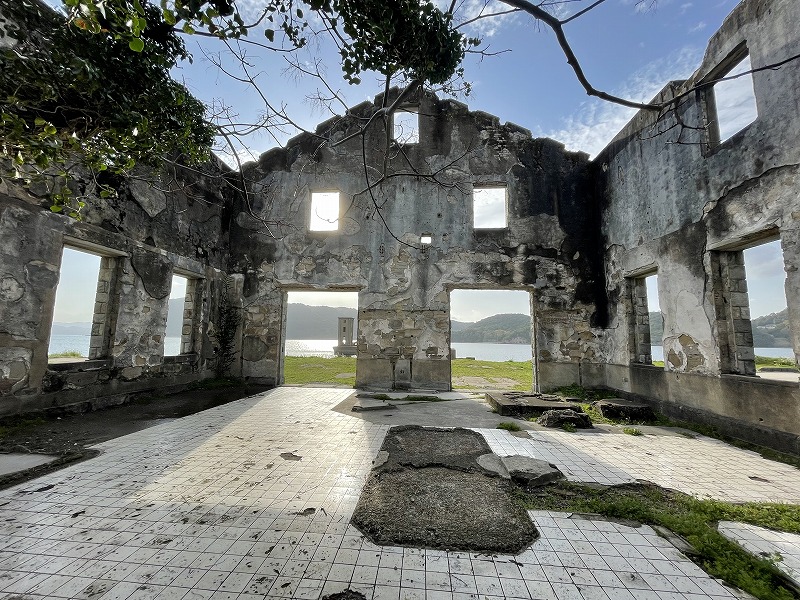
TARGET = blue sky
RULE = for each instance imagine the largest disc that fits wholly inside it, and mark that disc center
(625, 47)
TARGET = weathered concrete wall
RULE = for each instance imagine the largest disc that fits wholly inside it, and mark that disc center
(145, 235)
(684, 207)
(404, 329)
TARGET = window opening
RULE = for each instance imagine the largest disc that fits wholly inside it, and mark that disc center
(766, 308)
(647, 332)
(324, 211)
(489, 207)
(405, 124)
(734, 103)
(490, 325)
(80, 309)
(180, 316)
(426, 239)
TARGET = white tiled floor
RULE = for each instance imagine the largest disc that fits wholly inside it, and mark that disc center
(253, 500)
(780, 547)
(701, 466)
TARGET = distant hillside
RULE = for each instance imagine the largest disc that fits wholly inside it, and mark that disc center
(174, 322)
(769, 331)
(497, 329)
(319, 323)
(71, 328)
(772, 331)
(315, 322)
(656, 328)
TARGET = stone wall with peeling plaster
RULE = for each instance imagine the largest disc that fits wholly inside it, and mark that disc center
(675, 206)
(147, 234)
(578, 232)
(403, 287)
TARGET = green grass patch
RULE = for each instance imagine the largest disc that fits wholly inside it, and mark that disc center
(509, 375)
(631, 431)
(694, 520)
(509, 426)
(66, 354)
(769, 361)
(569, 427)
(302, 370)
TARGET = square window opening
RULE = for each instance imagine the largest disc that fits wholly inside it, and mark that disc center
(405, 126)
(324, 211)
(489, 207)
(732, 105)
(81, 310)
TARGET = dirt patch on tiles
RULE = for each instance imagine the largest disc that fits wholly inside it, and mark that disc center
(428, 491)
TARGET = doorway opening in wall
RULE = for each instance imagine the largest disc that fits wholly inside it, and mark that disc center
(320, 338)
(769, 319)
(174, 334)
(490, 334)
(75, 306)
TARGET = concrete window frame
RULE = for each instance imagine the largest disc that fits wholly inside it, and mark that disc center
(485, 198)
(714, 112)
(106, 299)
(405, 125)
(321, 211)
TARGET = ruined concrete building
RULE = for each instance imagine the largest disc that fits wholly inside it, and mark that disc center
(578, 235)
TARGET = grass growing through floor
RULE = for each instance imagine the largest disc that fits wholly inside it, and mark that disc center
(694, 520)
(520, 373)
(509, 426)
(301, 370)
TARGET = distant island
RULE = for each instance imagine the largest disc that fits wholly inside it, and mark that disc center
(769, 331)
(319, 323)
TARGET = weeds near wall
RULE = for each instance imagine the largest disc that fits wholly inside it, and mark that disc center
(230, 317)
(693, 519)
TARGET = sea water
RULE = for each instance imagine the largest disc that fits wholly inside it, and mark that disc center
(324, 348)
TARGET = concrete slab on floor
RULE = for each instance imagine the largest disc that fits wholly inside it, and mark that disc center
(15, 462)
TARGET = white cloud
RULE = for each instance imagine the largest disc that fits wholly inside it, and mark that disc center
(466, 10)
(699, 27)
(597, 122)
(338, 299)
(736, 101)
(473, 305)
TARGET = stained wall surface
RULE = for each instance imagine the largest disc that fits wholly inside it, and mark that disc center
(403, 285)
(683, 205)
(666, 197)
(144, 235)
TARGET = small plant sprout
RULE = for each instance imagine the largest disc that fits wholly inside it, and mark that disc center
(509, 426)
(631, 431)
